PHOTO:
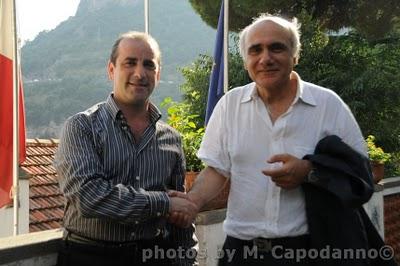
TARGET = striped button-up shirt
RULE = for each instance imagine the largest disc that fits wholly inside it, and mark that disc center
(115, 188)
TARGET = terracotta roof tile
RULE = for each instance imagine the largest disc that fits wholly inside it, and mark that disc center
(46, 203)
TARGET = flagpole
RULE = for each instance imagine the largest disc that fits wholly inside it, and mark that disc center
(146, 16)
(15, 188)
(226, 44)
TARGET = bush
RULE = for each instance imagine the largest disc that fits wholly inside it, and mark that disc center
(197, 80)
(375, 153)
(393, 167)
(365, 76)
(179, 117)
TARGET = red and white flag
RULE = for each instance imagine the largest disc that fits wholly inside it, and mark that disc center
(6, 103)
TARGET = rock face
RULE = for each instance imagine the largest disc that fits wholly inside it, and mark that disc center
(87, 6)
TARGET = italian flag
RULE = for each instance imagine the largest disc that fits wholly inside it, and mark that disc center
(6, 103)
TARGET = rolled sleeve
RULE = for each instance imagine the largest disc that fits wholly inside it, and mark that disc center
(214, 146)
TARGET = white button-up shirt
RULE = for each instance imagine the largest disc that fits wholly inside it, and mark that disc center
(240, 138)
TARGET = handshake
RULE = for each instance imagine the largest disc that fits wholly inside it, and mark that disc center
(183, 209)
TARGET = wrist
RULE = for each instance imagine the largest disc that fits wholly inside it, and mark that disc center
(311, 177)
(196, 199)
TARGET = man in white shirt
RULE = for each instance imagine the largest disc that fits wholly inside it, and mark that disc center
(257, 137)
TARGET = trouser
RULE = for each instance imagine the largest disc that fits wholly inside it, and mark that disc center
(261, 251)
(77, 250)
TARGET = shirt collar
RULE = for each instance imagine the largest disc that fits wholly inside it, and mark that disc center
(112, 107)
(250, 93)
(303, 92)
(155, 113)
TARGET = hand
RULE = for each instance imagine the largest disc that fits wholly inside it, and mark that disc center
(183, 210)
(292, 172)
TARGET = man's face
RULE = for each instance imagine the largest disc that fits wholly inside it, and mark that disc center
(136, 72)
(269, 58)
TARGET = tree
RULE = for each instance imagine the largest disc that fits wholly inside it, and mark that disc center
(373, 18)
(364, 74)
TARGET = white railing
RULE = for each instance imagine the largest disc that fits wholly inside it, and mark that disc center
(34, 249)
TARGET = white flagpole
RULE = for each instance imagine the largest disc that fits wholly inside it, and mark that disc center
(146, 16)
(226, 44)
(15, 188)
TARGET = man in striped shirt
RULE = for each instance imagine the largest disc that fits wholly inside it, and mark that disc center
(116, 162)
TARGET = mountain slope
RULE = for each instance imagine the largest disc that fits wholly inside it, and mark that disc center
(65, 69)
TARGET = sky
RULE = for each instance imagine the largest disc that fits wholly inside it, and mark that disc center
(35, 16)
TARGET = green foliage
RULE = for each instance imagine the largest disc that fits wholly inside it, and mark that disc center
(197, 80)
(195, 87)
(375, 153)
(393, 167)
(372, 18)
(364, 74)
(180, 118)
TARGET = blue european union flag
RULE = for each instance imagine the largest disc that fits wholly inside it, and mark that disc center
(216, 88)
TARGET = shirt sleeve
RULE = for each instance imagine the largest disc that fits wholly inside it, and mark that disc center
(84, 183)
(214, 146)
(179, 170)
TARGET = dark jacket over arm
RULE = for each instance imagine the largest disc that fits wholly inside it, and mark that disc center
(339, 184)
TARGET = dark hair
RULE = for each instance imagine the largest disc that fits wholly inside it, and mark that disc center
(136, 35)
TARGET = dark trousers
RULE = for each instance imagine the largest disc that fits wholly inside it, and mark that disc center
(260, 251)
(76, 251)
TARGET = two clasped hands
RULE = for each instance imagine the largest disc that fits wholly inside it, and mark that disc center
(285, 170)
(183, 208)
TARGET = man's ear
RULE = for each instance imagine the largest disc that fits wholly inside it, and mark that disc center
(158, 75)
(110, 70)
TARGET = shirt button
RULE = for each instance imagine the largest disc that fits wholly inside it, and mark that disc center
(137, 177)
(136, 222)
(133, 234)
(158, 214)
